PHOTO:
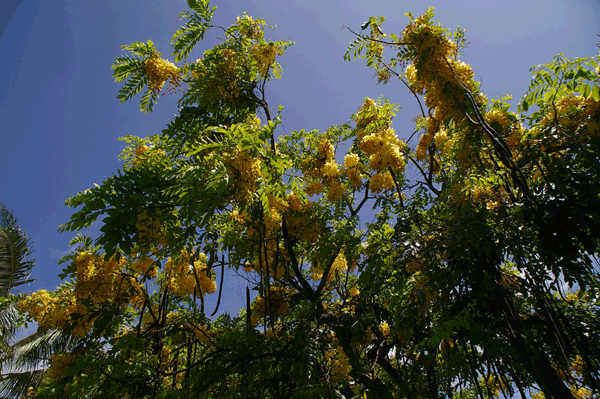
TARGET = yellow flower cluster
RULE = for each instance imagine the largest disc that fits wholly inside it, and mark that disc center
(339, 265)
(294, 202)
(219, 78)
(573, 111)
(380, 143)
(335, 191)
(145, 266)
(53, 310)
(250, 28)
(514, 138)
(480, 190)
(353, 168)
(442, 141)
(246, 171)
(323, 164)
(324, 172)
(272, 220)
(201, 334)
(301, 222)
(382, 181)
(159, 71)
(497, 119)
(338, 363)
(436, 73)
(385, 329)
(423, 146)
(96, 279)
(315, 188)
(181, 276)
(265, 54)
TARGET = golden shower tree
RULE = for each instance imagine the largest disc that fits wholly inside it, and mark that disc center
(475, 273)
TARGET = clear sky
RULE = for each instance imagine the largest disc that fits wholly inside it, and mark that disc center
(60, 120)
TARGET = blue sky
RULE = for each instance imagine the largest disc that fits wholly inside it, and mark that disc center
(60, 119)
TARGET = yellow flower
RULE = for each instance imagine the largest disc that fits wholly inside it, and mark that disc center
(314, 188)
(339, 364)
(159, 71)
(351, 160)
(335, 192)
(294, 201)
(325, 149)
(330, 169)
(385, 329)
(272, 220)
(381, 182)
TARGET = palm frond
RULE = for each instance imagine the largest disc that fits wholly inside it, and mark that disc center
(34, 351)
(8, 325)
(15, 252)
(14, 385)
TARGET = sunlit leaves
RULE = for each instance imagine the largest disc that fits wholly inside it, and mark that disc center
(198, 23)
(553, 81)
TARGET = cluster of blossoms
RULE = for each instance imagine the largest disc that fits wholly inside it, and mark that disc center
(159, 71)
(301, 221)
(438, 75)
(102, 281)
(380, 143)
(265, 55)
(145, 266)
(338, 363)
(181, 276)
(324, 172)
(56, 310)
(217, 75)
(246, 170)
(249, 27)
(149, 228)
(574, 111)
(272, 257)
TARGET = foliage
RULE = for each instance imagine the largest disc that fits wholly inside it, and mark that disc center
(16, 264)
(462, 266)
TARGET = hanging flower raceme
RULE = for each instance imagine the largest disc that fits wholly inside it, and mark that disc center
(339, 365)
(57, 310)
(380, 143)
(181, 276)
(96, 279)
(444, 80)
(246, 170)
(158, 71)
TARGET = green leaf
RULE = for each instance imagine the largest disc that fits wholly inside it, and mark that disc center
(587, 91)
(596, 93)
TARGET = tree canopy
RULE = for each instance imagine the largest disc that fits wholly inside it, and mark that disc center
(459, 262)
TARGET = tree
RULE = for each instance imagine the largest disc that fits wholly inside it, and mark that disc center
(16, 264)
(477, 275)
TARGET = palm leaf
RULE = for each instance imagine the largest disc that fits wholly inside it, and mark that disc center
(24, 363)
(15, 251)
